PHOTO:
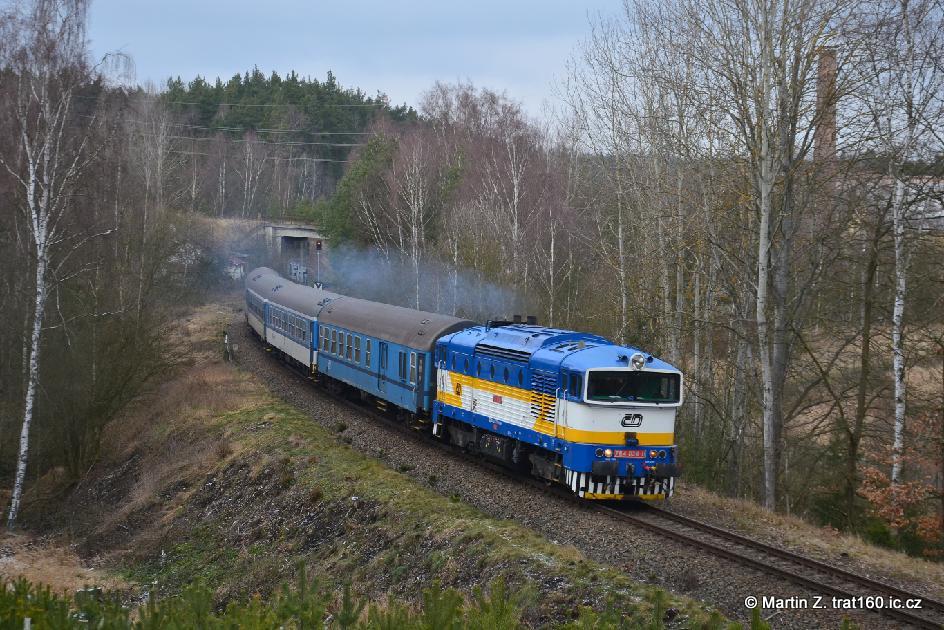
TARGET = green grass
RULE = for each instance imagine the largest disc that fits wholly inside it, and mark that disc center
(396, 539)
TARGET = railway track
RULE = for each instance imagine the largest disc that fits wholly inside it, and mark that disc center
(819, 577)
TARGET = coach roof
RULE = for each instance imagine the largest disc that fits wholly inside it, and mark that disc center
(269, 285)
(404, 326)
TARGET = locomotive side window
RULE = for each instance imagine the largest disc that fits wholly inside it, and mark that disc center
(520, 378)
(491, 372)
(576, 385)
(505, 375)
(367, 357)
(467, 366)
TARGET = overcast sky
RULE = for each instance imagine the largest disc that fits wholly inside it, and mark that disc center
(400, 48)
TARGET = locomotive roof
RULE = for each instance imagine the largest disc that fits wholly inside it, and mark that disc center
(610, 356)
(521, 338)
(278, 290)
(549, 348)
(404, 326)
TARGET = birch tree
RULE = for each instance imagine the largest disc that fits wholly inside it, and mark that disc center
(904, 95)
(45, 65)
(763, 54)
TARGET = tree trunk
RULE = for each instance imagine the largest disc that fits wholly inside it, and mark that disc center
(31, 382)
(898, 360)
(771, 451)
(854, 433)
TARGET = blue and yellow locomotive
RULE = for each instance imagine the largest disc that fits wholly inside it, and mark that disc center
(570, 407)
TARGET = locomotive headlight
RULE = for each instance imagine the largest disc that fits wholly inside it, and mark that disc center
(608, 452)
(652, 454)
(638, 360)
(661, 453)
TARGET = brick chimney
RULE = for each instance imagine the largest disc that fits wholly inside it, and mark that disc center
(824, 136)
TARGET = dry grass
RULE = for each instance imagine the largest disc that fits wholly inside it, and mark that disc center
(53, 564)
(176, 431)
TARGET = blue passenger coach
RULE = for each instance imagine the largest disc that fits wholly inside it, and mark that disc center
(285, 314)
(383, 350)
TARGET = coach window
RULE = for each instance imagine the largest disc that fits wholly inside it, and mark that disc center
(334, 342)
(367, 354)
(357, 349)
(412, 368)
(401, 365)
(350, 346)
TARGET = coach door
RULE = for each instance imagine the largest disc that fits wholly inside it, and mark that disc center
(418, 362)
(383, 366)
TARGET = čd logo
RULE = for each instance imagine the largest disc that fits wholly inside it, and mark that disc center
(632, 420)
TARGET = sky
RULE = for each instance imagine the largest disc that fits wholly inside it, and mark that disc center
(400, 48)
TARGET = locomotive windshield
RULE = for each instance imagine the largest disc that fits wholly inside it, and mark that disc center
(626, 386)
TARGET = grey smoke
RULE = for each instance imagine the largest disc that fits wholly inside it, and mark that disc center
(367, 273)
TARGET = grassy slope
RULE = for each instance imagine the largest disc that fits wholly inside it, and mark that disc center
(213, 480)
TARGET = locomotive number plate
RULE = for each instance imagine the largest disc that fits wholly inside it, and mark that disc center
(625, 453)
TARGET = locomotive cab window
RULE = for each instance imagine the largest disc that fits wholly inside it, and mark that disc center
(625, 386)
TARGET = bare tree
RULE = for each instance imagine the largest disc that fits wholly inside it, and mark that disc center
(904, 95)
(44, 62)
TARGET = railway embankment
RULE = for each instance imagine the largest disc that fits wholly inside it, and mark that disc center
(643, 554)
(215, 479)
